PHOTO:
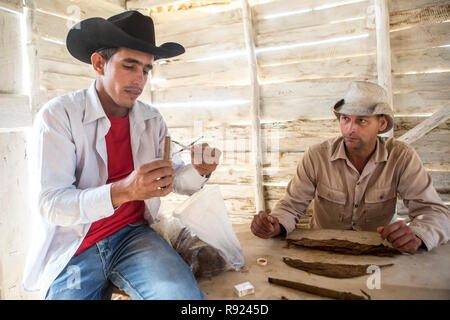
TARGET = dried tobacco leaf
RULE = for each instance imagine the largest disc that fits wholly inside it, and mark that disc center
(332, 270)
(324, 292)
(204, 260)
(345, 246)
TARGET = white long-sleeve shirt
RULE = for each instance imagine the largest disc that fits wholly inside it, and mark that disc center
(70, 172)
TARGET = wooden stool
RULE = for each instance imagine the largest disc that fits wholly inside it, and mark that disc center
(118, 294)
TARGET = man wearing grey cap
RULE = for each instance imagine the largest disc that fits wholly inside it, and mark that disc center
(355, 178)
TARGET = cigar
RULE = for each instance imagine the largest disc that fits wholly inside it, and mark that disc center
(166, 155)
(324, 292)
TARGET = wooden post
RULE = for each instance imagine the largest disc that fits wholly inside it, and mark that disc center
(427, 125)
(254, 106)
(148, 96)
(32, 55)
(384, 50)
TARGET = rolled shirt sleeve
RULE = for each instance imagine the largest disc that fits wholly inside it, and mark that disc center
(299, 194)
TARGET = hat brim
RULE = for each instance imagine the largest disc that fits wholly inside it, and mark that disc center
(90, 35)
(380, 109)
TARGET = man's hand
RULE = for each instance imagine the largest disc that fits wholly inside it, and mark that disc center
(204, 158)
(401, 236)
(154, 179)
(265, 226)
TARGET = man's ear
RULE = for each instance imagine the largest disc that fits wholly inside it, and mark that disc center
(383, 122)
(98, 63)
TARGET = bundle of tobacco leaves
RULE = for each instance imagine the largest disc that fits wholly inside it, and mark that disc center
(203, 259)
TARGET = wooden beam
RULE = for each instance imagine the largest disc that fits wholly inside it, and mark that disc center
(384, 50)
(254, 105)
(145, 4)
(426, 126)
(76, 10)
(12, 5)
(120, 3)
(32, 56)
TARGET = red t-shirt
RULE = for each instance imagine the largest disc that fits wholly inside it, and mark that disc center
(120, 165)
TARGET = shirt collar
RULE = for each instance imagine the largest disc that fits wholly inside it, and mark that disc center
(141, 112)
(381, 153)
(338, 150)
(94, 110)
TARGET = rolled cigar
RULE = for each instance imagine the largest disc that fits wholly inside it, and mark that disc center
(166, 155)
(317, 290)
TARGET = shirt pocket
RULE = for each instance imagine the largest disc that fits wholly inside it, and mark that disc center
(379, 206)
(338, 197)
(329, 208)
(380, 195)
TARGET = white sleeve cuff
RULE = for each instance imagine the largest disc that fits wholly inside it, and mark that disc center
(97, 203)
(188, 180)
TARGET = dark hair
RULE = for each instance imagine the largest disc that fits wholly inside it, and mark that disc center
(107, 53)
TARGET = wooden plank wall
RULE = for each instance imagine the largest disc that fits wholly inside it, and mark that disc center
(60, 72)
(420, 40)
(14, 102)
(308, 52)
(305, 59)
(14, 113)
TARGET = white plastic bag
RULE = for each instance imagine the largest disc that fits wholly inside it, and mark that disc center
(167, 226)
(204, 260)
(205, 214)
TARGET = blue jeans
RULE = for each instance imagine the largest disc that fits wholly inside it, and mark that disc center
(136, 260)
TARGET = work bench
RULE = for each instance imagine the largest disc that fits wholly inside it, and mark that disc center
(424, 275)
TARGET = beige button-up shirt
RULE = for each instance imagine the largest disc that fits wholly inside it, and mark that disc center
(345, 199)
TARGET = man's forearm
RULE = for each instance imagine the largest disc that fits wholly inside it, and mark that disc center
(120, 193)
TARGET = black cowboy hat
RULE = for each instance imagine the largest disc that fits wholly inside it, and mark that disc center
(129, 29)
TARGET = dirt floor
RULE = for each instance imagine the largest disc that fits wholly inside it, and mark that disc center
(423, 275)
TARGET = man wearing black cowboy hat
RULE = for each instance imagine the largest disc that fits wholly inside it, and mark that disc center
(354, 180)
(100, 175)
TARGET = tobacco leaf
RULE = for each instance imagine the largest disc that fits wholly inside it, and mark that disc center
(204, 260)
(332, 270)
(324, 292)
(346, 247)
